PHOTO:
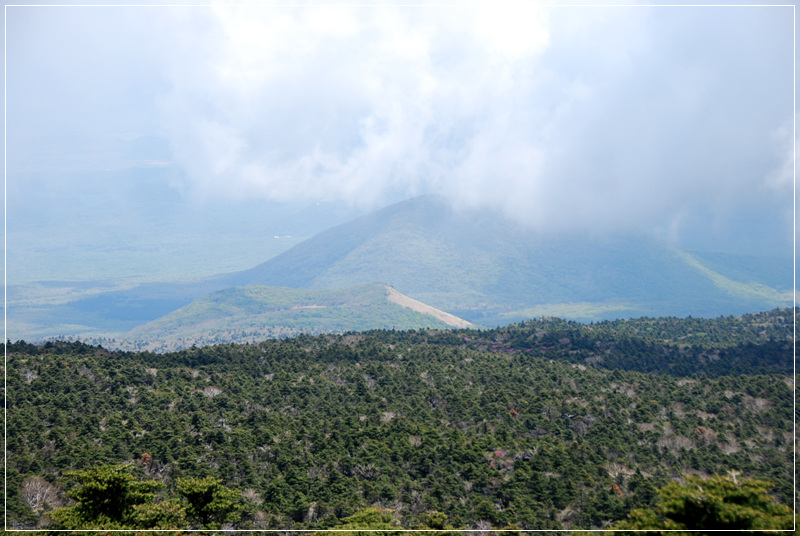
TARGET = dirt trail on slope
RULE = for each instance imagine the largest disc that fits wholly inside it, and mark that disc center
(400, 299)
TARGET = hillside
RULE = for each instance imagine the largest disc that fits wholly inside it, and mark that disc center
(472, 264)
(548, 424)
(488, 270)
(257, 312)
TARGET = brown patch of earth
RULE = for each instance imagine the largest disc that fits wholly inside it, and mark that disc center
(400, 299)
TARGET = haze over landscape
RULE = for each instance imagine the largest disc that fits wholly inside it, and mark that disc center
(466, 267)
(170, 144)
(141, 138)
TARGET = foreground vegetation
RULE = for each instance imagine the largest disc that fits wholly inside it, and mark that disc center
(544, 425)
(111, 498)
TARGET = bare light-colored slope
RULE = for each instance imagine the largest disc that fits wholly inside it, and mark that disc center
(410, 303)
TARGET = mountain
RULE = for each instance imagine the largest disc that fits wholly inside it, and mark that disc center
(258, 312)
(474, 264)
(486, 269)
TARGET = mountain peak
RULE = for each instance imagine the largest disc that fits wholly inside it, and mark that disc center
(478, 265)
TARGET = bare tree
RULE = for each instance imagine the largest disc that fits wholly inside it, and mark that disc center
(212, 391)
(38, 493)
(482, 527)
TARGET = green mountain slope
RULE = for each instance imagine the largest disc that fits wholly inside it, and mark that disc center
(258, 312)
(749, 289)
(489, 270)
(473, 264)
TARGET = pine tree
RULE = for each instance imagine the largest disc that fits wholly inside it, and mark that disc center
(106, 499)
(717, 503)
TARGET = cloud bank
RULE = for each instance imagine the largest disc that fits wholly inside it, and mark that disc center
(563, 117)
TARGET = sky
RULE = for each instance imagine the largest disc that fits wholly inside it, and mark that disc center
(149, 129)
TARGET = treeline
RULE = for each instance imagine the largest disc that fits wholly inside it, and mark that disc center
(760, 343)
(514, 426)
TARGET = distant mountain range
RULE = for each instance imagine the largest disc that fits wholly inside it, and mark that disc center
(473, 264)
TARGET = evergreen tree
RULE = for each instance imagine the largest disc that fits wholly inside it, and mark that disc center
(718, 503)
(210, 504)
(107, 498)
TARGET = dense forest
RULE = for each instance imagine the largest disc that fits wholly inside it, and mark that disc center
(547, 424)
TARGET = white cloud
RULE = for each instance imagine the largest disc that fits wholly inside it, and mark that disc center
(564, 117)
(346, 102)
(781, 179)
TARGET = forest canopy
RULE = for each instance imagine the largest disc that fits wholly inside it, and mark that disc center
(542, 425)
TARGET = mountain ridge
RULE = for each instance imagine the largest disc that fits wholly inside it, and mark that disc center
(481, 267)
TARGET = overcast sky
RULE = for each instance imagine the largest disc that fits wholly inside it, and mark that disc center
(671, 119)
